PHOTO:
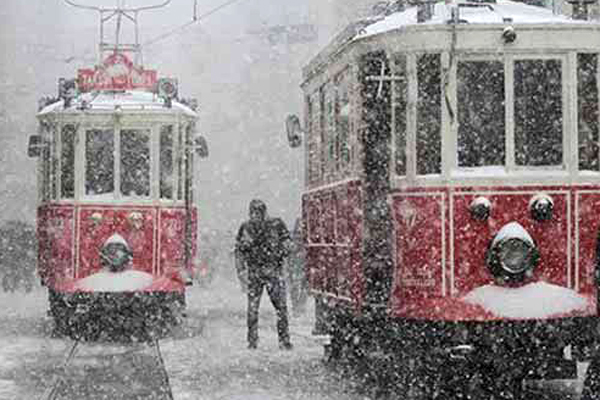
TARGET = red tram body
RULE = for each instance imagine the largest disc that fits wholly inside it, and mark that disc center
(453, 188)
(115, 159)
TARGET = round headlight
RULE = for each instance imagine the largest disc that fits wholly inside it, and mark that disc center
(116, 256)
(481, 208)
(541, 207)
(513, 255)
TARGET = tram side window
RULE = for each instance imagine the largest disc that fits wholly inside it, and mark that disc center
(481, 113)
(342, 120)
(100, 162)
(429, 114)
(46, 170)
(587, 91)
(329, 131)
(538, 113)
(314, 165)
(67, 162)
(322, 133)
(180, 165)
(400, 104)
(54, 164)
(135, 163)
(166, 162)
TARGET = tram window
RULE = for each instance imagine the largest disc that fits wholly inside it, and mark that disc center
(587, 90)
(322, 133)
(342, 120)
(400, 104)
(67, 162)
(429, 114)
(46, 171)
(314, 165)
(100, 162)
(329, 115)
(166, 162)
(135, 163)
(538, 113)
(180, 166)
(54, 165)
(481, 115)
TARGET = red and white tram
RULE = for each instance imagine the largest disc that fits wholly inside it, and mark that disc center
(116, 223)
(453, 187)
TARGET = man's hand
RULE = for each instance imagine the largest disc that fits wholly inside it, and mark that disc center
(246, 239)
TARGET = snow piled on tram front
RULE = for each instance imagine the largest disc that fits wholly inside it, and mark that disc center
(519, 12)
(125, 281)
(535, 300)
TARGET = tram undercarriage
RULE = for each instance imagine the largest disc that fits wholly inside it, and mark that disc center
(109, 316)
(417, 359)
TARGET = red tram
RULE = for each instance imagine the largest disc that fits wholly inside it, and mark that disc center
(116, 223)
(452, 191)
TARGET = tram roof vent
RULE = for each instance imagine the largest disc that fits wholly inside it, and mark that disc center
(580, 8)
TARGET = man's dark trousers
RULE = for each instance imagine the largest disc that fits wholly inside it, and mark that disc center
(275, 286)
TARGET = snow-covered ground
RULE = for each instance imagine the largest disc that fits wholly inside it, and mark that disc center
(215, 363)
(206, 360)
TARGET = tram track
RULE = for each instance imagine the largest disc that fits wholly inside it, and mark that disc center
(116, 371)
(51, 392)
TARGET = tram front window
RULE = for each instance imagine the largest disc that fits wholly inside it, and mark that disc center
(135, 163)
(67, 162)
(100, 162)
(481, 116)
(538, 113)
(429, 114)
(166, 162)
(588, 115)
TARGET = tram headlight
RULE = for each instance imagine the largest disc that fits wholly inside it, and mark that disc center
(116, 254)
(481, 208)
(509, 35)
(513, 255)
(541, 207)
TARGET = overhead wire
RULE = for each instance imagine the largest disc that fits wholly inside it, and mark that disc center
(197, 18)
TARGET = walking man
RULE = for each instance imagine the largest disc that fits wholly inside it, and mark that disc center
(264, 244)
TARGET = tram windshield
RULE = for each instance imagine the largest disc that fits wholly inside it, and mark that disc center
(166, 162)
(118, 163)
(536, 96)
(538, 112)
(481, 116)
(100, 164)
(589, 112)
(67, 162)
(135, 163)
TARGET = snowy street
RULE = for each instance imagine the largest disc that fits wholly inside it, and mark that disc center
(214, 362)
(206, 360)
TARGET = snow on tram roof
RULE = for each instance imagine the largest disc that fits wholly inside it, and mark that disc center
(125, 100)
(482, 13)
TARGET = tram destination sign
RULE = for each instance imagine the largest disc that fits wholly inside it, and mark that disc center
(117, 72)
